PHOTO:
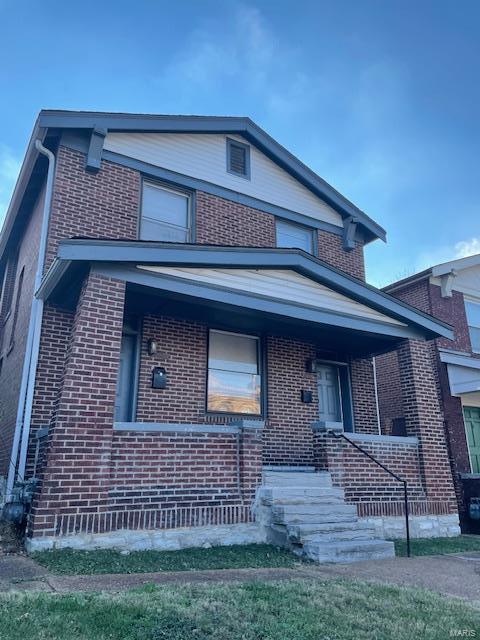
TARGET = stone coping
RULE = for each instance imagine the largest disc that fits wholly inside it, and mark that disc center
(167, 427)
(381, 439)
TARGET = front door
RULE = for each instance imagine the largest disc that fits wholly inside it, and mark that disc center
(126, 381)
(329, 401)
(472, 427)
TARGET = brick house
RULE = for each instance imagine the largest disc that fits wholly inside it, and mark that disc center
(185, 326)
(450, 292)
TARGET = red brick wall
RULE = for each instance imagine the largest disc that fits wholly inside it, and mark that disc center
(56, 334)
(424, 418)
(330, 250)
(288, 433)
(92, 205)
(452, 310)
(363, 395)
(12, 355)
(220, 221)
(77, 470)
(183, 353)
(390, 396)
(427, 297)
(372, 489)
(97, 479)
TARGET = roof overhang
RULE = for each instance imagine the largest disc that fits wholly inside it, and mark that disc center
(463, 373)
(98, 124)
(124, 260)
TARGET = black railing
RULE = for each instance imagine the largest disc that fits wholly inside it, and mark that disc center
(391, 473)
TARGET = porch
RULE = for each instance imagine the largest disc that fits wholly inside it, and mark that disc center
(184, 381)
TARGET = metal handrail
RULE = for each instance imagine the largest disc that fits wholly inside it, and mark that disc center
(391, 473)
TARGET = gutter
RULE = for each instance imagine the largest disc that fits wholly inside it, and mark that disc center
(27, 385)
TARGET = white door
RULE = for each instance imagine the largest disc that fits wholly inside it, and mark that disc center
(329, 402)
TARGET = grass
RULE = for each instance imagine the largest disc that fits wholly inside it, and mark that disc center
(336, 609)
(438, 546)
(70, 562)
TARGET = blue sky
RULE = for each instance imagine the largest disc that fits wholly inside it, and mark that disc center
(380, 97)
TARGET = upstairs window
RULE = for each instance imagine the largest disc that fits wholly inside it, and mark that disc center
(165, 214)
(234, 383)
(294, 236)
(473, 319)
(238, 158)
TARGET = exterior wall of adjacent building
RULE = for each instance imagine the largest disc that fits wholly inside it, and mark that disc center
(427, 296)
(14, 321)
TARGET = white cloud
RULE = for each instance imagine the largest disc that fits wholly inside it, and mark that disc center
(446, 253)
(9, 168)
(467, 248)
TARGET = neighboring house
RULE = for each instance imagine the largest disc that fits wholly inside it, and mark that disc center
(450, 292)
(185, 322)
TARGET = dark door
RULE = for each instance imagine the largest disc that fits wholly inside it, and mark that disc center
(127, 378)
(329, 401)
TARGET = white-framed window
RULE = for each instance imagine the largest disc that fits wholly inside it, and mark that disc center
(234, 380)
(294, 236)
(473, 318)
(165, 215)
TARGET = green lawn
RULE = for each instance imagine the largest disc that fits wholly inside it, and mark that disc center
(69, 562)
(438, 546)
(299, 610)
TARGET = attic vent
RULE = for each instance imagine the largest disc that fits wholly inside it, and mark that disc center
(238, 158)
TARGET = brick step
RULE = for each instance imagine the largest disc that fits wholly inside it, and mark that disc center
(302, 514)
(301, 495)
(295, 478)
(347, 551)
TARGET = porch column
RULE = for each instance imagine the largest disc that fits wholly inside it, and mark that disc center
(76, 479)
(250, 462)
(423, 418)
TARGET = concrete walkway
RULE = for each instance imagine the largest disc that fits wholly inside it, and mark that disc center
(451, 575)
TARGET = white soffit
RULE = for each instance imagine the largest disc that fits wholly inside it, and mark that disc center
(277, 284)
(463, 379)
(203, 156)
(465, 279)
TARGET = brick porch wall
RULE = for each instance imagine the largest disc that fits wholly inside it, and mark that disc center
(373, 491)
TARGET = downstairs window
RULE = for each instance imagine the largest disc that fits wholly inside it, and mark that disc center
(234, 381)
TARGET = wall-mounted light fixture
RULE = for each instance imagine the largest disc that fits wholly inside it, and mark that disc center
(152, 346)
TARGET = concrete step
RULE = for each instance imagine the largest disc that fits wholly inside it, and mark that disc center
(301, 495)
(306, 530)
(296, 478)
(337, 536)
(347, 551)
(318, 513)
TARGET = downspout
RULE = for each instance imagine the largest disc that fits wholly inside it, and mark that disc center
(377, 406)
(27, 385)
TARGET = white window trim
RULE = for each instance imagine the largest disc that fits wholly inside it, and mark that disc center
(260, 373)
(311, 231)
(177, 191)
(476, 301)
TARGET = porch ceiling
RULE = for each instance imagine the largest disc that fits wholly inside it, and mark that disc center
(273, 289)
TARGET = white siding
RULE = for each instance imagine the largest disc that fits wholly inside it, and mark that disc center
(284, 285)
(466, 280)
(203, 156)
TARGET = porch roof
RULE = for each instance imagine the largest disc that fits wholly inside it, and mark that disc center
(308, 291)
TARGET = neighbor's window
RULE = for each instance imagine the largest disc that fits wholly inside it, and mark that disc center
(165, 214)
(234, 382)
(291, 235)
(238, 158)
(473, 319)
